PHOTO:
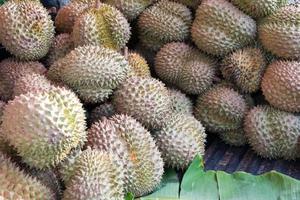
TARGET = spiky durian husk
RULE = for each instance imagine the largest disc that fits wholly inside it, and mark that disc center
(96, 176)
(31, 83)
(281, 85)
(138, 64)
(190, 3)
(179, 64)
(180, 140)
(11, 70)
(130, 8)
(104, 25)
(259, 8)
(45, 126)
(234, 137)
(220, 27)
(279, 32)
(15, 184)
(127, 138)
(220, 109)
(60, 47)
(245, 68)
(93, 72)
(162, 23)
(180, 102)
(103, 110)
(145, 99)
(273, 133)
(26, 29)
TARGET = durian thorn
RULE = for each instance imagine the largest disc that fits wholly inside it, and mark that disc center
(97, 3)
(125, 52)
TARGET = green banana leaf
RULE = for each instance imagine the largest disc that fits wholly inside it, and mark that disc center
(198, 184)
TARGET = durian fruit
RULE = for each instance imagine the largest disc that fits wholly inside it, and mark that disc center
(15, 184)
(103, 25)
(26, 29)
(259, 8)
(185, 67)
(279, 32)
(190, 3)
(180, 102)
(273, 133)
(11, 70)
(138, 65)
(93, 72)
(234, 137)
(45, 126)
(145, 99)
(164, 22)
(124, 136)
(31, 83)
(66, 16)
(96, 176)
(60, 47)
(130, 8)
(281, 85)
(104, 110)
(180, 140)
(220, 109)
(244, 68)
(220, 27)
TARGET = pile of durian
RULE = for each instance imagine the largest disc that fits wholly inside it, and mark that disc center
(107, 95)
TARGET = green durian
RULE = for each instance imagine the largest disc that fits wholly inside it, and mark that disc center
(44, 127)
(234, 137)
(164, 22)
(273, 133)
(220, 27)
(124, 136)
(180, 102)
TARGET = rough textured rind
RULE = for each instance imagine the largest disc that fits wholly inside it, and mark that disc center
(220, 27)
(103, 110)
(15, 184)
(259, 8)
(180, 102)
(185, 67)
(273, 133)
(96, 176)
(130, 8)
(180, 140)
(162, 23)
(281, 85)
(220, 109)
(60, 47)
(104, 26)
(279, 32)
(234, 137)
(127, 138)
(244, 68)
(26, 29)
(44, 127)
(31, 83)
(139, 66)
(93, 72)
(145, 99)
(11, 70)
(190, 3)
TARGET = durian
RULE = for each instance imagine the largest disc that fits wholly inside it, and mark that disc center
(164, 22)
(96, 176)
(103, 110)
(145, 99)
(60, 47)
(245, 68)
(93, 72)
(259, 8)
(16, 184)
(281, 85)
(45, 126)
(180, 140)
(138, 65)
(185, 67)
(11, 70)
(220, 109)
(26, 29)
(273, 133)
(127, 138)
(220, 27)
(190, 3)
(234, 137)
(279, 32)
(180, 102)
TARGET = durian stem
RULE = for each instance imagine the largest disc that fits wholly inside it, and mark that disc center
(125, 52)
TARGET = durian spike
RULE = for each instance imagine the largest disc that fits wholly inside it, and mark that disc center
(125, 52)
